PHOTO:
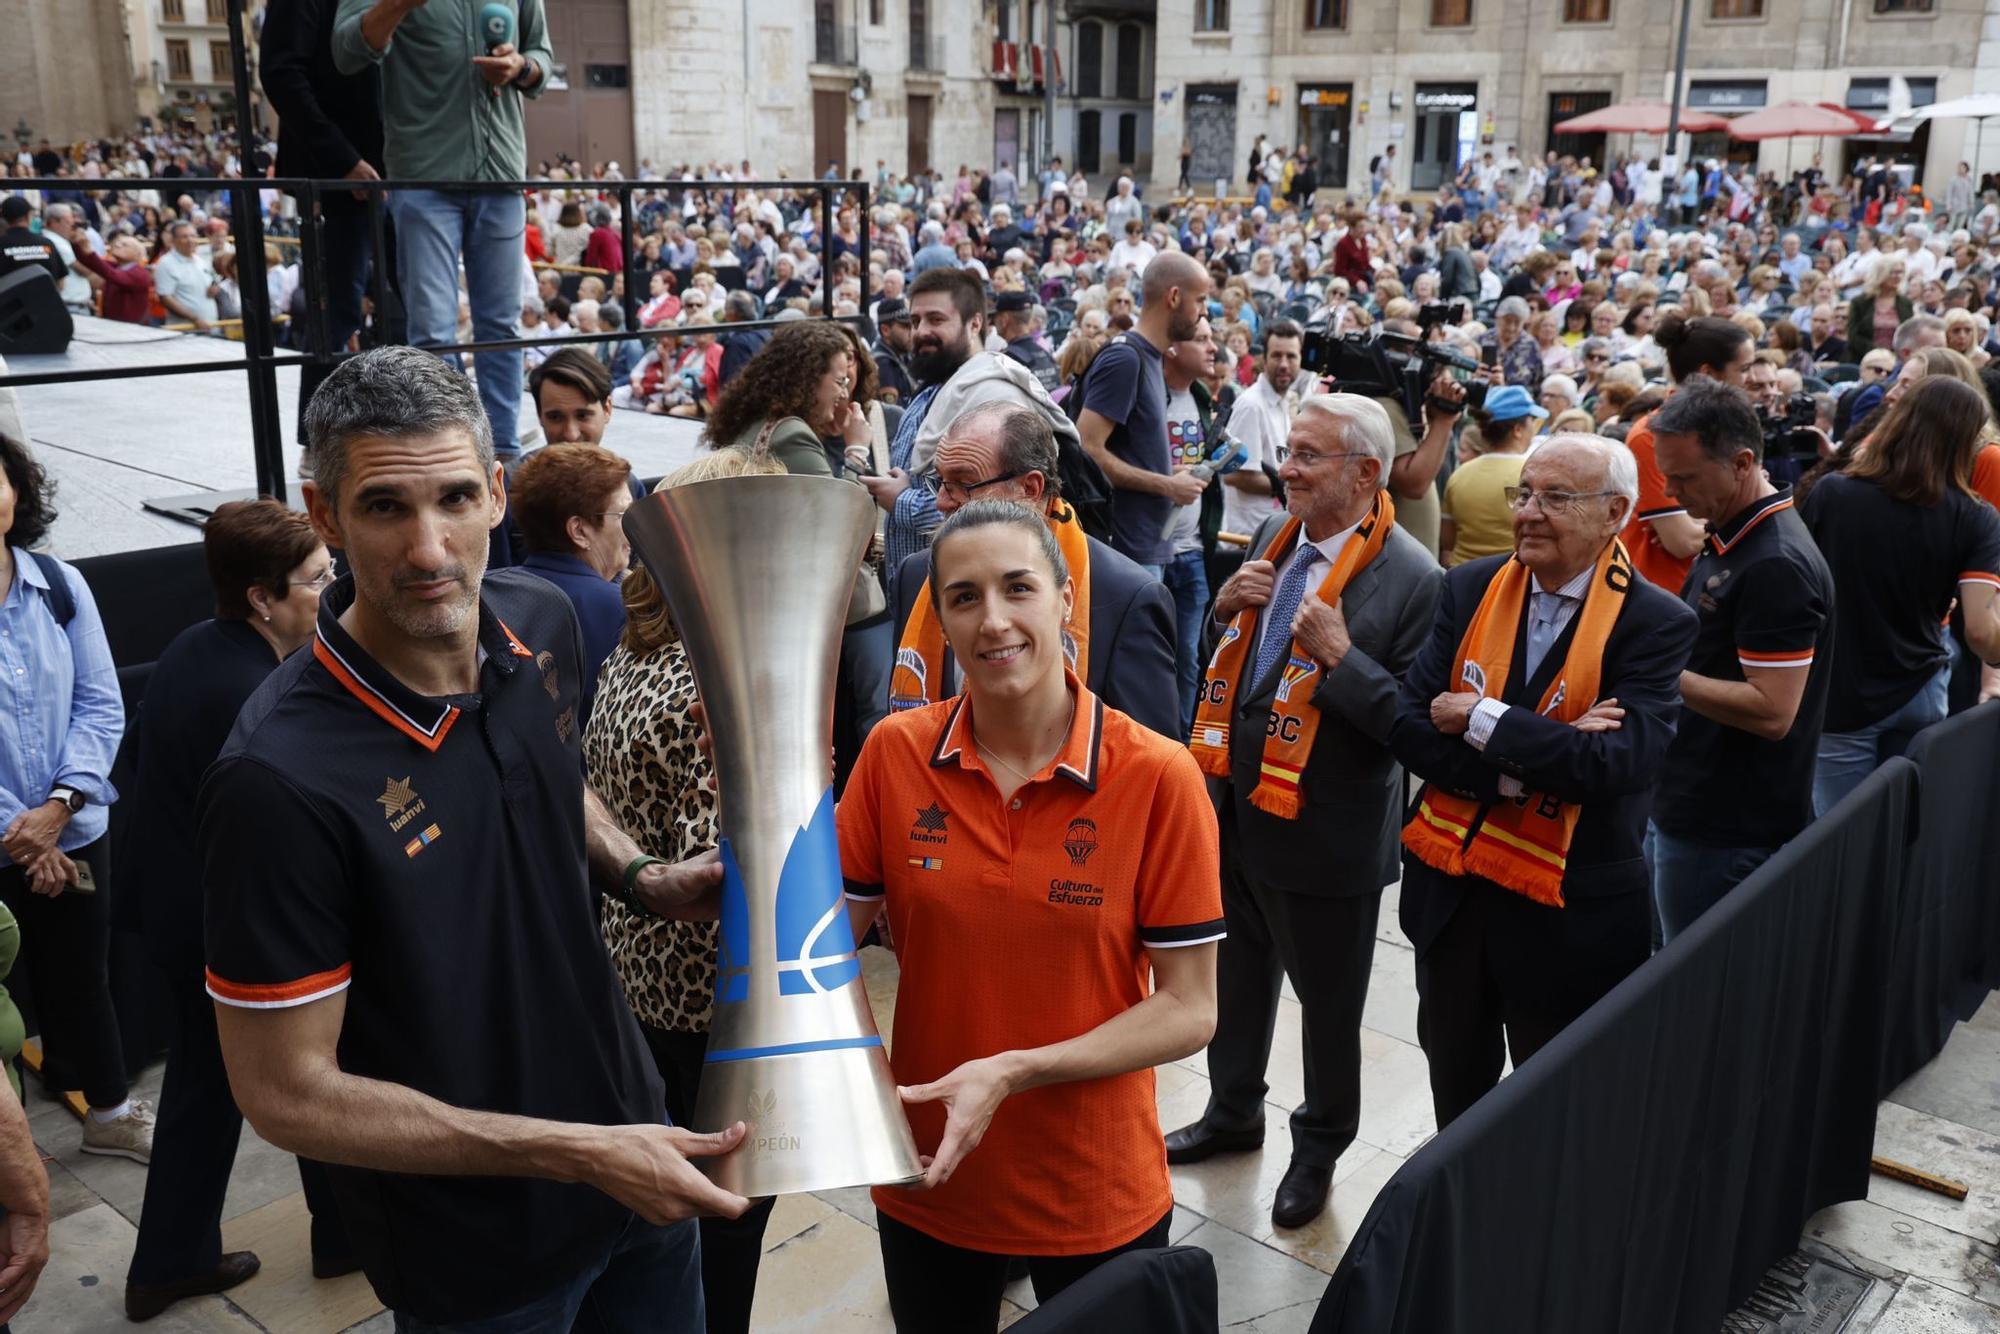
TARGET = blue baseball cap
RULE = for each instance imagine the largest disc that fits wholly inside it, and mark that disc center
(1510, 403)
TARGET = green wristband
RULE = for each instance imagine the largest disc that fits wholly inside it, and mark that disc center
(632, 869)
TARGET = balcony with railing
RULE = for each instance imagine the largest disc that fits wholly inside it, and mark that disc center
(835, 44)
(927, 54)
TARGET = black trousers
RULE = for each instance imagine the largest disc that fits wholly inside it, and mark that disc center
(194, 1151)
(731, 1248)
(1326, 946)
(1507, 974)
(938, 1288)
(65, 947)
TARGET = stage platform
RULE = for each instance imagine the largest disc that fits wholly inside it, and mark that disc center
(115, 446)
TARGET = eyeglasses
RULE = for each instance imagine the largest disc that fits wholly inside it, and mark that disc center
(319, 583)
(1554, 504)
(1310, 458)
(1597, 356)
(962, 492)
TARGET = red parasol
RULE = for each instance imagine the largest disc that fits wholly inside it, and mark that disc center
(1792, 120)
(1640, 116)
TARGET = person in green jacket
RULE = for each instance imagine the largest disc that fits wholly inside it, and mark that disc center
(1867, 314)
(794, 395)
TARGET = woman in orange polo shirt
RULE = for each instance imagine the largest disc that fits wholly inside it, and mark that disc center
(1039, 855)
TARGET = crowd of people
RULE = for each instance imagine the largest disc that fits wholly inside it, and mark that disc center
(1558, 547)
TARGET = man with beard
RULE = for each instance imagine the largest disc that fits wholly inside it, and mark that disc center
(401, 931)
(948, 311)
(1124, 422)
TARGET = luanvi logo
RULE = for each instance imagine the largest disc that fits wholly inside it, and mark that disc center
(400, 803)
(929, 826)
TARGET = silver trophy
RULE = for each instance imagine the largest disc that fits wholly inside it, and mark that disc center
(758, 571)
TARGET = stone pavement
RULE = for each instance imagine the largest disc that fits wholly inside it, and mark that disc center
(1935, 1261)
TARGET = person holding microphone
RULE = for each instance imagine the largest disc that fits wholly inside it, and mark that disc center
(1038, 854)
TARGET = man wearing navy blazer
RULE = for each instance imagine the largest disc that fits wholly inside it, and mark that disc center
(1003, 451)
(1498, 972)
(1303, 894)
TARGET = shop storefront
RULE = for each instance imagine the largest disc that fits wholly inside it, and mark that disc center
(1908, 148)
(1566, 106)
(1445, 134)
(1725, 97)
(1325, 126)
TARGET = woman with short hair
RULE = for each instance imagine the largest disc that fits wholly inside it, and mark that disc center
(570, 501)
(267, 568)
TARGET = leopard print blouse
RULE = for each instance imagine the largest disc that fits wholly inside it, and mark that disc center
(640, 751)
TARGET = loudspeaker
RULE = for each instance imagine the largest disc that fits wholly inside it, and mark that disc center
(32, 315)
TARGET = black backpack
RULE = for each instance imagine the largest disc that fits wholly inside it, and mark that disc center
(62, 605)
(1083, 484)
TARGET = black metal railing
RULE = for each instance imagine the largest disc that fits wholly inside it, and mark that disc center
(261, 358)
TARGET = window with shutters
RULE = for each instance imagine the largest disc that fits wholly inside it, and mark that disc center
(1451, 13)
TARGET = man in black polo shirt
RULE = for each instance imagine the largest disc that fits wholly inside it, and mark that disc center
(1738, 777)
(397, 846)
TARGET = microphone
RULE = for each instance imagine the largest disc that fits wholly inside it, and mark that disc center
(496, 24)
(1228, 455)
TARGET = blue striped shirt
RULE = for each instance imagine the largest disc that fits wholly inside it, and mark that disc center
(61, 714)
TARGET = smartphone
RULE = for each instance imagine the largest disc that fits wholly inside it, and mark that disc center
(86, 880)
(1490, 355)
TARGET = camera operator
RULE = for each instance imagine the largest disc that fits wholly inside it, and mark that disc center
(1738, 778)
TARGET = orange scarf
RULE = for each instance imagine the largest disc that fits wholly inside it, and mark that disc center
(918, 678)
(1294, 721)
(1521, 843)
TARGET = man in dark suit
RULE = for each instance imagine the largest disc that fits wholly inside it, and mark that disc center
(1499, 972)
(1003, 451)
(1302, 892)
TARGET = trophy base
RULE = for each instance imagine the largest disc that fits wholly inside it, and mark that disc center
(819, 1120)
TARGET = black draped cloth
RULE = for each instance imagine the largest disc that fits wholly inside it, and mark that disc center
(1643, 1170)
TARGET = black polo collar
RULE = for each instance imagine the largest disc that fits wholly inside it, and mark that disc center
(1720, 540)
(422, 718)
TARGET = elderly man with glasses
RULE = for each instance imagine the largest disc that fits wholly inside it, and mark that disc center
(1122, 640)
(1538, 715)
(1309, 639)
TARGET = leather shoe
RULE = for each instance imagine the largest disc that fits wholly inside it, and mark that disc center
(1301, 1194)
(1200, 1141)
(143, 1301)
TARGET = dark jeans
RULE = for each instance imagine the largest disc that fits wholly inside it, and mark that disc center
(1690, 878)
(938, 1288)
(647, 1282)
(1187, 579)
(345, 246)
(731, 1248)
(194, 1151)
(65, 945)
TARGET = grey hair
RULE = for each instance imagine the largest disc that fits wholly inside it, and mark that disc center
(1621, 472)
(1913, 328)
(1027, 441)
(395, 392)
(599, 215)
(1364, 424)
(57, 211)
(174, 227)
(998, 513)
(740, 306)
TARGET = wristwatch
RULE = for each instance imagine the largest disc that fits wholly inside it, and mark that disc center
(68, 796)
(526, 79)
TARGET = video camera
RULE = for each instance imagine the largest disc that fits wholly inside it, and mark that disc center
(1396, 366)
(1785, 433)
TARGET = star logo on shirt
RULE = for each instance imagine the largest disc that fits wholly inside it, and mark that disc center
(396, 797)
(930, 819)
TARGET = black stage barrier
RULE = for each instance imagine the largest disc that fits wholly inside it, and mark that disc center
(1947, 942)
(1643, 1170)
